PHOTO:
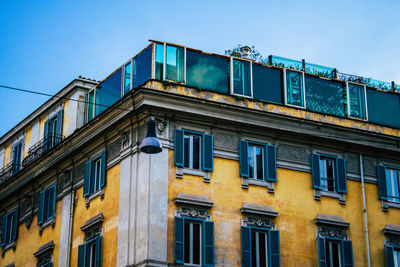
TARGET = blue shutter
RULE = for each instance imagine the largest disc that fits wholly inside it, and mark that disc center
(389, 256)
(41, 207)
(274, 249)
(207, 152)
(243, 159)
(52, 202)
(316, 180)
(178, 152)
(321, 252)
(86, 179)
(271, 163)
(103, 169)
(246, 246)
(15, 226)
(99, 252)
(59, 126)
(81, 255)
(341, 176)
(381, 170)
(46, 138)
(3, 230)
(347, 255)
(208, 243)
(179, 246)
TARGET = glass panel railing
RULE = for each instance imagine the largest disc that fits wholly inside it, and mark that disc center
(284, 62)
(319, 70)
(108, 92)
(349, 77)
(141, 69)
(357, 100)
(378, 84)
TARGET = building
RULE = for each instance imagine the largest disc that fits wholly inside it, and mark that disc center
(280, 163)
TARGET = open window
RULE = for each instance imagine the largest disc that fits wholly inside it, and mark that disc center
(356, 100)
(389, 184)
(241, 77)
(53, 131)
(294, 88)
(170, 62)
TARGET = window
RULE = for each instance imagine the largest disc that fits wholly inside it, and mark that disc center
(389, 183)
(53, 131)
(193, 150)
(17, 157)
(47, 201)
(170, 62)
(356, 100)
(257, 161)
(241, 77)
(95, 173)
(9, 228)
(127, 77)
(194, 241)
(260, 247)
(294, 91)
(329, 173)
(392, 255)
(90, 253)
(90, 105)
(334, 252)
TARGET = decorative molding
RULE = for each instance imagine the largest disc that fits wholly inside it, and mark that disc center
(257, 221)
(392, 229)
(258, 210)
(161, 126)
(194, 200)
(319, 193)
(100, 193)
(125, 139)
(250, 181)
(331, 220)
(388, 204)
(193, 212)
(12, 246)
(181, 171)
(45, 250)
(332, 232)
(94, 222)
(51, 222)
(293, 153)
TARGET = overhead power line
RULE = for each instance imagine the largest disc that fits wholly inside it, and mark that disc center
(60, 97)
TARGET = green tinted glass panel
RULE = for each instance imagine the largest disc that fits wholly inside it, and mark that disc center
(267, 84)
(159, 61)
(174, 63)
(357, 101)
(325, 96)
(127, 78)
(241, 77)
(108, 92)
(207, 72)
(141, 69)
(294, 88)
(383, 108)
(91, 104)
(319, 70)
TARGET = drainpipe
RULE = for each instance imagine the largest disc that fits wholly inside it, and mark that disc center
(365, 209)
(71, 220)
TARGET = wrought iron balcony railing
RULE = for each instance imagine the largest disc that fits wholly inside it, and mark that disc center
(41, 148)
(8, 171)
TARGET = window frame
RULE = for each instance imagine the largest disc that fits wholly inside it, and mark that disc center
(335, 172)
(130, 77)
(231, 78)
(266, 231)
(191, 249)
(86, 248)
(285, 88)
(348, 101)
(163, 76)
(46, 206)
(255, 145)
(17, 166)
(10, 234)
(89, 190)
(88, 104)
(190, 134)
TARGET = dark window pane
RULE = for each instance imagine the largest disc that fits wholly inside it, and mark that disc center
(267, 84)
(91, 104)
(383, 108)
(328, 254)
(250, 159)
(262, 251)
(187, 242)
(294, 88)
(142, 67)
(357, 100)
(196, 243)
(259, 156)
(127, 78)
(241, 77)
(196, 152)
(108, 92)
(335, 254)
(186, 151)
(253, 249)
(174, 63)
(159, 61)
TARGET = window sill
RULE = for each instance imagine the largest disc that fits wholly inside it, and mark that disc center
(51, 222)
(319, 193)
(94, 195)
(389, 204)
(181, 171)
(251, 181)
(12, 245)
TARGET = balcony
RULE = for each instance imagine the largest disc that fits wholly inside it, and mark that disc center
(41, 148)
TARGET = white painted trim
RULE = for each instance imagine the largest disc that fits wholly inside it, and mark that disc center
(184, 64)
(285, 89)
(164, 61)
(348, 101)
(153, 61)
(231, 75)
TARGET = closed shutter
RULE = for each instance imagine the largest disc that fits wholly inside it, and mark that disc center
(99, 252)
(207, 154)
(274, 251)
(341, 176)
(321, 252)
(347, 258)
(103, 169)
(41, 207)
(208, 244)
(46, 138)
(178, 153)
(86, 179)
(81, 255)
(246, 246)
(243, 159)
(59, 126)
(52, 202)
(381, 170)
(316, 179)
(15, 226)
(389, 256)
(271, 163)
(3, 230)
(179, 240)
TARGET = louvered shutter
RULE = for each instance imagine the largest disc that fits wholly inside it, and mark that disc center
(179, 240)
(41, 207)
(341, 176)
(316, 179)
(81, 255)
(59, 126)
(178, 152)
(389, 256)
(3, 230)
(381, 170)
(274, 251)
(52, 202)
(347, 255)
(15, 226)
(243, 159)
(246, 246)
(86, 179)
(99, 251)
(208, 243)
(103, 169)
(271, 159)
(321, 252)
(207, 152)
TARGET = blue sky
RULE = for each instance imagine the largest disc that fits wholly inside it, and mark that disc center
(46, 44)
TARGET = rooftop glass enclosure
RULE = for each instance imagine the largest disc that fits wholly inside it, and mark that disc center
(279, 80)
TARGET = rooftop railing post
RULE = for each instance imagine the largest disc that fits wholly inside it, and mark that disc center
(303, 62)
(393, 87)
(335, 75)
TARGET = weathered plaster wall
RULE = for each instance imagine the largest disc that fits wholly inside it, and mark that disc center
(109, 207)
(7, 154)
(27, 143)
(66, 118)
(294, 200)
(29, 241)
